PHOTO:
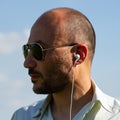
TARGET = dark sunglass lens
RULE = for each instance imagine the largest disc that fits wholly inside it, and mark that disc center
(37, 51)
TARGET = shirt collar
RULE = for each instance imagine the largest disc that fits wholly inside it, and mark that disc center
(42, 109)
(101, 97)
(98, 96)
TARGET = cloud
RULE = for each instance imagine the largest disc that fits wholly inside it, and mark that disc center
(10, 42)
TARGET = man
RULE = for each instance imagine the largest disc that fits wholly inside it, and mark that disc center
(58, 57)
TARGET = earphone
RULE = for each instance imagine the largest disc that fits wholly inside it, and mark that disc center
(77, 57)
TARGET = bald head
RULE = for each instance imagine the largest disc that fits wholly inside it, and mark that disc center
(67, 26)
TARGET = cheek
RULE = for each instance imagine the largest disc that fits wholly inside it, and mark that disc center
(58, 66)
(58, 62)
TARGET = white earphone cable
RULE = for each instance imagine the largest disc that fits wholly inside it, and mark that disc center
(71, 98)
(72, 89)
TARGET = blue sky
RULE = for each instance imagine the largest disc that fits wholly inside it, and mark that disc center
(16, 19)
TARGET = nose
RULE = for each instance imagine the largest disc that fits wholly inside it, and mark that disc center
(30, 62)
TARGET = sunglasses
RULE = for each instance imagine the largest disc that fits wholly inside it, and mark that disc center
(37, 50)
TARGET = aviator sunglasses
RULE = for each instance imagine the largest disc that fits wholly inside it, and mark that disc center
(38, 50)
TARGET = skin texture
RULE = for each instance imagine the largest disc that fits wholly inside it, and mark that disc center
(55, 74)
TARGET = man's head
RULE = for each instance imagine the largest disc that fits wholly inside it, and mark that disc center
(64, 33)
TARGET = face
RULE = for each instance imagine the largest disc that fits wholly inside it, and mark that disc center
(54, 73)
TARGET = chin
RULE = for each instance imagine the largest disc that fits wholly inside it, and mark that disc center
(48, 90)
(38, 90)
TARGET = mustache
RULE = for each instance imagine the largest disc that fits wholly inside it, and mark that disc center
(33, 71)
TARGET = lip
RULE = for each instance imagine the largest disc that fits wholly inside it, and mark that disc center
(34, 77)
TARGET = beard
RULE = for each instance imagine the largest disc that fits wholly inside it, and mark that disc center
(48, 89)
(54, 80)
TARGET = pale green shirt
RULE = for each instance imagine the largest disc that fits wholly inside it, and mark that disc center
(102, 107)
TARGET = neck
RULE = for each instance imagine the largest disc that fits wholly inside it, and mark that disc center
(60, 105)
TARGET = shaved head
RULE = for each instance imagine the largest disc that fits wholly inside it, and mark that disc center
(66, 25)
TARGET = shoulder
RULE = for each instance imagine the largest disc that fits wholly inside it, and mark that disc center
(113, 103)
(110, 103)
(26, 113)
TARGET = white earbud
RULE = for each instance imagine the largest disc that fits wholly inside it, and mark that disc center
(77, 57)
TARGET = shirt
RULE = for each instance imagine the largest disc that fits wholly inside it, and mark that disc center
(102, 107)
(48, 115)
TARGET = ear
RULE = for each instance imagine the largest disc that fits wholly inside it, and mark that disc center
(82, 50)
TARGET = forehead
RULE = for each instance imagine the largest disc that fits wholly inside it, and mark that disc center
(48, 30)
(38, 34)
(44, 38)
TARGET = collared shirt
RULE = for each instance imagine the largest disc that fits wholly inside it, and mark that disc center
(102, 107)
